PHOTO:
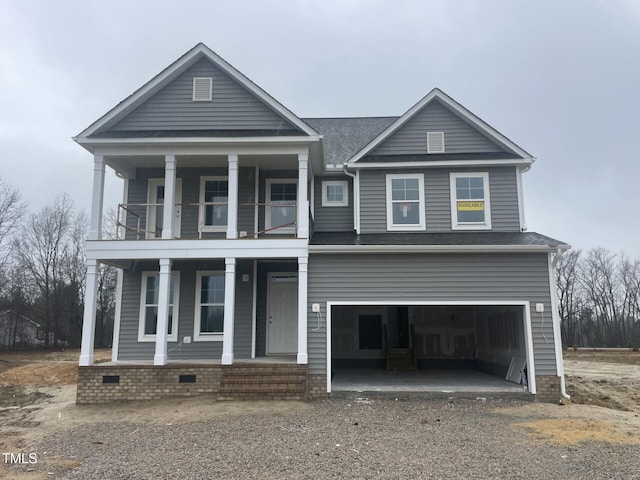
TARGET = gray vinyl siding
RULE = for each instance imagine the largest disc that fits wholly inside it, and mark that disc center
(332, 219)
(437, 278)
(459, 135)
(505, 215)
(132, 350)
(233, 107)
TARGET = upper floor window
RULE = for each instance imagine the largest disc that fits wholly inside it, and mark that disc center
(405, 202)
(209, 308)
(149, 294)
(470, 204)
(202, 89)
(335, 193)
(214, 199)
(281, 205)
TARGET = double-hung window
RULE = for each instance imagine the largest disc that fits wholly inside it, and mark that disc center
(405, 202)
(281, 205)
(149, 294)
(470, 201)
(209, 314)
(214, 203)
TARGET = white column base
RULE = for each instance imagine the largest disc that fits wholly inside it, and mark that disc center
(227, 359)
(303, 359)
(86, 360)
(160, 359)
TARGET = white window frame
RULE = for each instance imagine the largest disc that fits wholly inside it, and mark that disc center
(345, 193)
(421, 203)
(202, 208)
(209, 97)
(455, 225)
(173, 336)
(267, 216)
(199, 336)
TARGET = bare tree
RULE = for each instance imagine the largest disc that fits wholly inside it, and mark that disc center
(40, 250)
(12, 210)
(569, 293)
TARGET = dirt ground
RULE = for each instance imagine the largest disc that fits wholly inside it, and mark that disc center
(37, 399)
(605, 378)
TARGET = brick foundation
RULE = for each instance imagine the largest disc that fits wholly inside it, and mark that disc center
(241, 381)
(316, 387)
(548, 389)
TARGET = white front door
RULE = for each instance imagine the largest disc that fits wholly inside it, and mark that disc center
(282, 314)
(155, 208)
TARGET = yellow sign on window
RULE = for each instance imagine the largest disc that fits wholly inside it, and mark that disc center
(471, 206)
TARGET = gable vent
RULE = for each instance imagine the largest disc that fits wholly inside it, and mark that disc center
(435, 142)
(202, 87)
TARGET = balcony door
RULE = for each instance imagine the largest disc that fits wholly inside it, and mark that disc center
(155, 208)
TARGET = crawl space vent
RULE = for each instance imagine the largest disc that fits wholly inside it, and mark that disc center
(202, 87)
(435, 142)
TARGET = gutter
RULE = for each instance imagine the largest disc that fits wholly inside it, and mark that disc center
(356, 197)
(429, 248)
(554, 303)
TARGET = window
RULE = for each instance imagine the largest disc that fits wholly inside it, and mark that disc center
(214, 203)
(470, 205)
(405, 202)
(281, 205)
(149, 307)
(335, 193)
(209, 317)
(202, 89)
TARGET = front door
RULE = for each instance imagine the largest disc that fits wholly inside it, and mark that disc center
(282, 314)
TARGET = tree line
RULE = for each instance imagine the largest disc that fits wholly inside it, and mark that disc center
(599, 298)
(42, 274)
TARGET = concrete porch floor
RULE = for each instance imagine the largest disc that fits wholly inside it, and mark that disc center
(443, 381)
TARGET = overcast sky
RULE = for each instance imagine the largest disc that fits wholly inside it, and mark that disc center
(559, 78)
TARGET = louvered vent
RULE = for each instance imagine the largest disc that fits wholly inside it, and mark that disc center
(435, 142)
(202, 87)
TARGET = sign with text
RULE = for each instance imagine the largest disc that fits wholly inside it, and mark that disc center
(476, 206)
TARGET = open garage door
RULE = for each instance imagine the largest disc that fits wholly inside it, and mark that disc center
(426, 347)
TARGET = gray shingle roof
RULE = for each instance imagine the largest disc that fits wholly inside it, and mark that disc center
(343, 137)
(433, 239)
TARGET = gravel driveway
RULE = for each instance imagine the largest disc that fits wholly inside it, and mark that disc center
(346, 438)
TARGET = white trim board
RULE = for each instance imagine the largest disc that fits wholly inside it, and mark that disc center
(525, 304)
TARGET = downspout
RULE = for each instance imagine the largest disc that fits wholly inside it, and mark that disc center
(556, 319)
(356, 198)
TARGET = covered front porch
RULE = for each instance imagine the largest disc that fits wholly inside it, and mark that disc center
(209, 311)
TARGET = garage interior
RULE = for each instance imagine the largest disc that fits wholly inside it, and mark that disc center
(414, 348)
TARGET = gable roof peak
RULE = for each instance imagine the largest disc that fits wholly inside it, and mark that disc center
(457, 108)
(180, 65)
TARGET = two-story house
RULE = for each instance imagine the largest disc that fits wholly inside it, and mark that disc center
(263, 255)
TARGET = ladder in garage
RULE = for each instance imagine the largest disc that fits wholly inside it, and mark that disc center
(401, 358)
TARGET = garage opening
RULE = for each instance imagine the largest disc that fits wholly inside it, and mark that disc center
(428, 348)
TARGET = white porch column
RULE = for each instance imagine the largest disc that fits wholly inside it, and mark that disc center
(303, 264)
(303, 202)
(97, 197)
(164, 290)
(229, 309)
(232, 206)
(89, 317)
(169, 196)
